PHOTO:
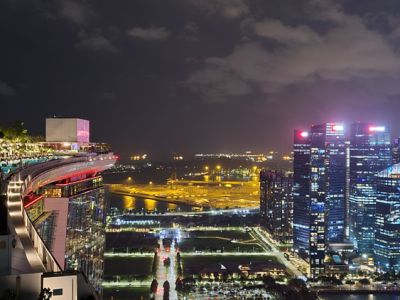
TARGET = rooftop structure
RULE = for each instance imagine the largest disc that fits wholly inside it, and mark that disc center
(68, 130)
(46, 255)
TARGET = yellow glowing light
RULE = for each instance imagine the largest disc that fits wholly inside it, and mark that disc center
(218, 167)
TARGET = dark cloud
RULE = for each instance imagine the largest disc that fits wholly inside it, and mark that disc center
(6, 90)
(230, 9)
(199, 75)
(149, 34)
(348, 50)
(75, 11)
(96, 42)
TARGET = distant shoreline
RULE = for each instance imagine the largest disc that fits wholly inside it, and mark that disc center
(146, 196)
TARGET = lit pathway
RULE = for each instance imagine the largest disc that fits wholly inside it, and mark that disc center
(263, 239)
(15, 210)
(215, 212)
(189, 254)
(167, 272)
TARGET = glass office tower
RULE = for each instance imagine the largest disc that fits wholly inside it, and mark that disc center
(328, 176)
(317, 239)
(370, 152)
(301, 191)
(276, 204)
(319, 191)
(387, 221)
(396, 151)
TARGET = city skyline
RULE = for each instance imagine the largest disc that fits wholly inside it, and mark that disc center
(339, 204)
(199, 149)
(223, 75)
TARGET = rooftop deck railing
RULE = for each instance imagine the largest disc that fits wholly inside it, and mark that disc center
(30, 178)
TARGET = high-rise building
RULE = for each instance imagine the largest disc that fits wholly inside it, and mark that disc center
(396, 151)
(276, 204)
(319, 191)
(347, 192)
(328, 176)
(317, 239)
(301, 191)
(370, 152)
(387, 222)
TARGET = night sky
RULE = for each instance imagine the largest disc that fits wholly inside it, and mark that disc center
(163, 76)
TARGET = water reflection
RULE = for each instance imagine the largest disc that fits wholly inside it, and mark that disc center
(129, 202)
(150, 204)
(172, 206)
(124, 202)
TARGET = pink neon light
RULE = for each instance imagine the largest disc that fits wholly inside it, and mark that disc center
(377, 128)
(29, 204)
(304, 134)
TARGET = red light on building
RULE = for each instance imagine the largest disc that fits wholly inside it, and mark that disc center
(304, 134)
(377, 128)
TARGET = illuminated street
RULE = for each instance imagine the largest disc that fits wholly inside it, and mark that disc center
(266, 240)
(167, 272)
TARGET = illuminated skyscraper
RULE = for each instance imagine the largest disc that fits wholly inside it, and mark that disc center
(276, 204)
(328, 176)
(387, 222)
(301, 191)
(396, 151)
(370, 152)
(319, 187)
(317, 239)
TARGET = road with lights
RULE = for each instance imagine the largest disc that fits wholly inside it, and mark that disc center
(167, 272)
(265, 240)
(188, 254)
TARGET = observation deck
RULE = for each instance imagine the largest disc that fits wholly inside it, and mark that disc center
(30, 254)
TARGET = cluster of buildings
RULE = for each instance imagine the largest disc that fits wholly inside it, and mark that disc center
(344, 190)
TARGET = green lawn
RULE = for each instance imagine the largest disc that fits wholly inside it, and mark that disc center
(127, 293)
(231, 234)
(213, 241)
(135, 266)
